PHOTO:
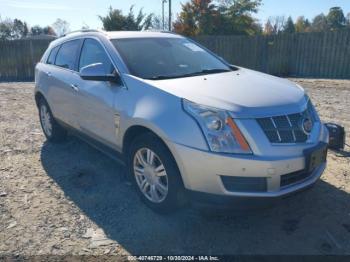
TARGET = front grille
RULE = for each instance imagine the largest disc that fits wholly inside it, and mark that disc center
(244, 184)
(295, 177)
(286, 128)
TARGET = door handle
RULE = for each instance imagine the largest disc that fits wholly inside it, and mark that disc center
(74, 87)
(48, 74)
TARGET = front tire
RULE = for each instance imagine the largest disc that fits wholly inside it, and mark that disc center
(52, 130)
(155, 174)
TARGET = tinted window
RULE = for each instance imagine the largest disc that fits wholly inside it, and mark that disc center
(154, 58)
(92, 52)
(52, 56)
(67, 54)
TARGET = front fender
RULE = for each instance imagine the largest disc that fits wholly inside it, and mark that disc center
(159, 111)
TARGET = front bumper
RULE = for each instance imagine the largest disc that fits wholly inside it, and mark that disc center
(202, 172)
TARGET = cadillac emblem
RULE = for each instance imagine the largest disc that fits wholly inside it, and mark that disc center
(307, 125)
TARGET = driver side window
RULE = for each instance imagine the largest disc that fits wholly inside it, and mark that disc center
(92, 52)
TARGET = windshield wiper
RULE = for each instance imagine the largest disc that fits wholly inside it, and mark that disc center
(214, 71)
(207, 72)
(161, 77)
(203, 72)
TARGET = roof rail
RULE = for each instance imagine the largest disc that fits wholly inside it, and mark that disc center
(81, 31)
(159, 31)
(168, 32)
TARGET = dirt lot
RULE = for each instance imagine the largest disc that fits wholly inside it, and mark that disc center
(71, 199)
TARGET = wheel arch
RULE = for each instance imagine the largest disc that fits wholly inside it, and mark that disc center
(38, 96)
(134, 131)
(137, 130)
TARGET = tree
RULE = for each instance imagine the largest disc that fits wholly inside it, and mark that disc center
(289, 27)
(60, 27)
(307, 25)
(115, 20)
(218, 17)
(25, 29)
(348, 20)
(13, 29)
(157, 22)
(186, 23)
(197, 17)
(274, 25)
(206, 13)
(36, 30)
(336, 19)
(302, 25)
(5, 29)
(19, 29)
(268, 28)
(48, 30)
(237, 17)
(319, 23)
(140, 22)
(16, 29)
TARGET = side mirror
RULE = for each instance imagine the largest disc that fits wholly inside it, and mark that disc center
(96, 72)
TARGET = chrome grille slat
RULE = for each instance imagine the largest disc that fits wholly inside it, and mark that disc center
(277, 131)
(286, 128)
(290, 124)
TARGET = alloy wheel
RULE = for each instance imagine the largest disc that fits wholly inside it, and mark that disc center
(150, 175)
(45, 119)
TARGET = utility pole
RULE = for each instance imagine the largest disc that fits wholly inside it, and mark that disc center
(163, 2)
(169, 15)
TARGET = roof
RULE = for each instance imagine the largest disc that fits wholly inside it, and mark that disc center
(114, 35)
(140, 34)
(123, 34)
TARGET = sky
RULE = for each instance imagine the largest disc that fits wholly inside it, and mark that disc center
(85, 12)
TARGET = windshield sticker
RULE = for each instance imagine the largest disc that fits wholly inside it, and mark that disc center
(193, 47)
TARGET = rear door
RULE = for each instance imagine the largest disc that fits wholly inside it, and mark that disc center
(43, 72)
(62, 76)
(97, 98)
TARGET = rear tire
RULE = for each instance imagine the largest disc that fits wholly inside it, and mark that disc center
(52, 130)
(155, 174)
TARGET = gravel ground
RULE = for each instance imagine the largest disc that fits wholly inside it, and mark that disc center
(71, 199)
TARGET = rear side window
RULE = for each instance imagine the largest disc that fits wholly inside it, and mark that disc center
(52, 56)
(92, 52)
(67, 54)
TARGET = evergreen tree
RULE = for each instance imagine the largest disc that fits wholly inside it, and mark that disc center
(289, 26)
(116, 21)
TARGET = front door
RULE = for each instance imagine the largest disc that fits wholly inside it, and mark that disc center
(96, 99)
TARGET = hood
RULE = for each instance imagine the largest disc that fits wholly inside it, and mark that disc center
(245, 93)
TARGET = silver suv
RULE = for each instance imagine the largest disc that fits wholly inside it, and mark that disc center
(187, 124)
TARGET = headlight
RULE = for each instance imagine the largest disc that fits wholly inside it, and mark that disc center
(312, 110)
(219, 129)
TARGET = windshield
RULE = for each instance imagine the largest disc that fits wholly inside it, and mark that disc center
(164, 58)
